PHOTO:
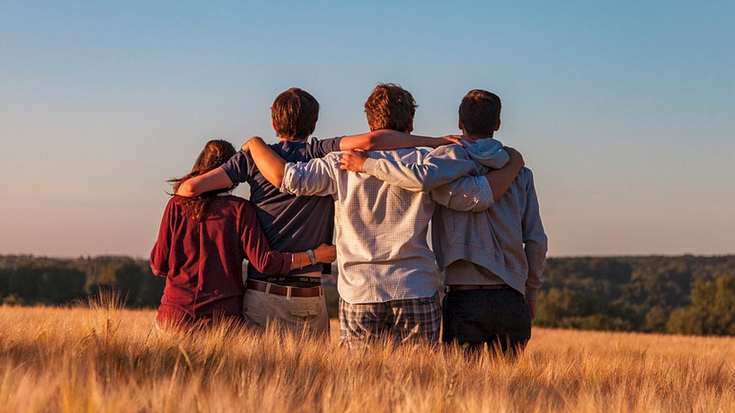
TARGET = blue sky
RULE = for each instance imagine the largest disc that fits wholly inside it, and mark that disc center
(623, 110)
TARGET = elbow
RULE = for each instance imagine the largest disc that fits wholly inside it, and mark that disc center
(375, 140)
(157, 271)
(366, 143)
(425, 188)
(186, 189)
(276, 181)
(270, 265)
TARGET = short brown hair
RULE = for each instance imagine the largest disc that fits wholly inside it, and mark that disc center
(480, 112)
(390, 106)
(294, 113)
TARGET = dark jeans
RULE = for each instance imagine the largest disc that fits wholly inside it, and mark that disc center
(499, 318)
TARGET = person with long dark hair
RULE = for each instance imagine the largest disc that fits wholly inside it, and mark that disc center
(201, 245)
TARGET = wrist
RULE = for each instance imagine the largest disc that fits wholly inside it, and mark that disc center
(369, 165)
(312, 258)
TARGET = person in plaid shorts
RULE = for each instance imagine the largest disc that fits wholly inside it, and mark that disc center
(388, 276)
(493, 260)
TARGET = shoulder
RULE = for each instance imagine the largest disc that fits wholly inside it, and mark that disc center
(241, 158)
(526, 173)
(525, 177)
(326, 141)
(227, 198)
(176, 200)
(238, 168)
(234, 203)
(317, 148)
(453, 151)
(330, 157)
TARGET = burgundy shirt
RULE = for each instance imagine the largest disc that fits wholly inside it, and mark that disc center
(202, 259)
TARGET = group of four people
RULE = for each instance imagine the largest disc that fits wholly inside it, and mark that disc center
(487, 235)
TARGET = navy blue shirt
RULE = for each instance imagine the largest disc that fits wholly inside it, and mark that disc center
(290, 223)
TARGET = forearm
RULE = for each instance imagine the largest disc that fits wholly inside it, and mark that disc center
(467, 194)
(268, 162)
(501, 179)
(324, 254)
(420, 177)
(314, 178)
(385, 139)
(212, 180)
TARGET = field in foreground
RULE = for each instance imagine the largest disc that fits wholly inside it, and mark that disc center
(102, 358)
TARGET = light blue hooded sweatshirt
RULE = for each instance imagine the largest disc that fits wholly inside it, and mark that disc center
(508, 238)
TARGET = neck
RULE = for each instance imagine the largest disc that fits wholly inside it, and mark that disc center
(293, 140)
(472, 138)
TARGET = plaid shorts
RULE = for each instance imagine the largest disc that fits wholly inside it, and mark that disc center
(397, 322)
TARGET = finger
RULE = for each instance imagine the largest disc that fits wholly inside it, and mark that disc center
(457, 140)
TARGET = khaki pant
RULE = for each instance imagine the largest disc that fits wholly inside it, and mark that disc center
(294, 314)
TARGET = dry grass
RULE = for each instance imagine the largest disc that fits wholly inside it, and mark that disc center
(101, 358)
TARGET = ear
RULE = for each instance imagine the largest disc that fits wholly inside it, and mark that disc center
(460, 125)
(410, 126)
(273, 123)
(497, 127)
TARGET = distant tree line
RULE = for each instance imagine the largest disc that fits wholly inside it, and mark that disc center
(30, 280)
(684, 295)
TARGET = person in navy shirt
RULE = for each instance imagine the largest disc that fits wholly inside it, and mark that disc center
(294, 301)
(201, 246)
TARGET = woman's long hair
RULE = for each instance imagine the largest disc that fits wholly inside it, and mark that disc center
(215, 153)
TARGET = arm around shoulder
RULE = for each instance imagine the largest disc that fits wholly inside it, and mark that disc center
(268, 162)
(385, 139)
(210, 181)
(501, 179)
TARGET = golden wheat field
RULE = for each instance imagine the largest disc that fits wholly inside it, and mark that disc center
(101, 358)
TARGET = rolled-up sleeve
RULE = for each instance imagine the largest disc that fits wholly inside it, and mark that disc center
(467, 194)
(429, 172)
(314, 178)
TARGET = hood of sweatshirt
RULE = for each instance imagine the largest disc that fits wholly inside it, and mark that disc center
(488, 152)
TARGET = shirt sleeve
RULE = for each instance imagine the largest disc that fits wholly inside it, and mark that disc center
(534, 239)
(237, 167)
(320, 148)
(314, 178)
(467, 194)
(255, 245)
(162, 249)
(440, 166)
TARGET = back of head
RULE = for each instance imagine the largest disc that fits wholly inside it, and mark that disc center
(215, 153)
(390, 106)
(480, 112)
(294, 113)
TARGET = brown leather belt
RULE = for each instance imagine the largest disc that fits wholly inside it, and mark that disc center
(455, 288)
(281, 290)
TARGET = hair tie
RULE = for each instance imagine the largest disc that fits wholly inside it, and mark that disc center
(218, 159)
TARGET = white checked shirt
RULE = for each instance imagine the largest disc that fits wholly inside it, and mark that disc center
(381, 229)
